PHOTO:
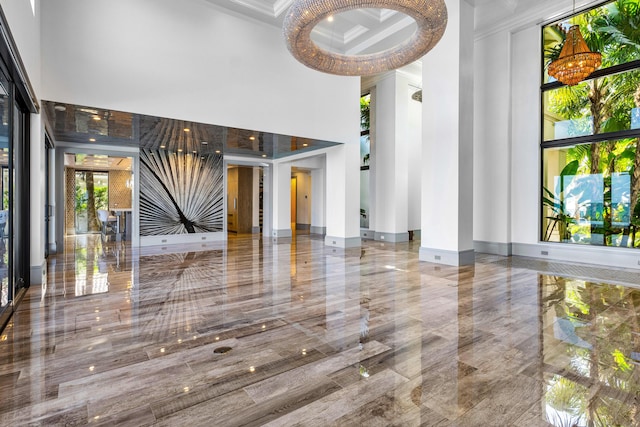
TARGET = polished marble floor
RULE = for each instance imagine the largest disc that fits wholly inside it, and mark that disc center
(253, 332)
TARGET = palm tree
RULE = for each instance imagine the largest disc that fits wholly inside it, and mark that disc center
(613, 30)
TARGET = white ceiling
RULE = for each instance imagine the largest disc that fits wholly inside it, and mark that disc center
(371, 30)
(354, 32)
(368, 30)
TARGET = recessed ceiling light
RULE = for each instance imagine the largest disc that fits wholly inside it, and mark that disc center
(305, 145)
(162, 146)
(217, 151)
(97, 118)
(264, 155)
(330, 18)
(179, 150)
(187, 130)
(60, 108)
(204, 142)
(195, 152)
(252, 138)
(92, 140)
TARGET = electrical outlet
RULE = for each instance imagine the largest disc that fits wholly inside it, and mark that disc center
(544, 252)
(204, 238)
(437, 257)
(163, 241)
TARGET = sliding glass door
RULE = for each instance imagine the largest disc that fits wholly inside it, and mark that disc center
(14, 204)
(6, 165)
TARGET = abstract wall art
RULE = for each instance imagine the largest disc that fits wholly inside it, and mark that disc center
(180, 193)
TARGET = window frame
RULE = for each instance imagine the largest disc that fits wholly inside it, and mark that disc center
(633, 65)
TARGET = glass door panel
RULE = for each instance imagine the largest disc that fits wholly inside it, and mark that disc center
(5, 183)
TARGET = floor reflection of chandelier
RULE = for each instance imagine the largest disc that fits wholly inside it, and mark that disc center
(304, 15)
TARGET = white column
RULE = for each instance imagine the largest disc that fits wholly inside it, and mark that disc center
(343, 195)
(281, 199)
(389, 162)
(37, 197)
(414, 165)
(447, 178)
(318, 223)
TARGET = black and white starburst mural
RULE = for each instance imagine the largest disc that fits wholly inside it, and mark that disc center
(180, 193)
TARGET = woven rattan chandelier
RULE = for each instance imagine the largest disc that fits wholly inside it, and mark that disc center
(304, 15)
(576, 62)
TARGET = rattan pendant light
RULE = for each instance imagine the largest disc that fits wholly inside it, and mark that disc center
(576, 62)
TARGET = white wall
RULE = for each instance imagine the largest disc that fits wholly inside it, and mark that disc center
(525, 192)
(414, 143)
(24, 24)
(187, 60)
(492, 139)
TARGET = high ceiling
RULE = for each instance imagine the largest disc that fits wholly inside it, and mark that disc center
(353, 32)
(368, 30)
(371, 30)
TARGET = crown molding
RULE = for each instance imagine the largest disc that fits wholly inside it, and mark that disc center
(541, 13)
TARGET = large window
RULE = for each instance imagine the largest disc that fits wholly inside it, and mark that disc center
(6, 294)
(365, 152)
(591, 134)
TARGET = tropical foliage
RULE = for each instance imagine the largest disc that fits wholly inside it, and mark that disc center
(365, 155)
(90, 195)
(594, 382)
(604, 188)
(365, 112)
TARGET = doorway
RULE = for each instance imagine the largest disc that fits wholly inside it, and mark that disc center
(95, 183)
(48, 213)
(301, 189)
(245, 195)
(294, 203)
(91, 195)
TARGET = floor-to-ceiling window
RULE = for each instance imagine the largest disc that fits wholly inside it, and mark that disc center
(591, 133)
(6, 165)
(17, 102)
(365, 152)
(14, 201)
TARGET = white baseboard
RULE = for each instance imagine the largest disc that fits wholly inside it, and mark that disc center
(600, 255)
